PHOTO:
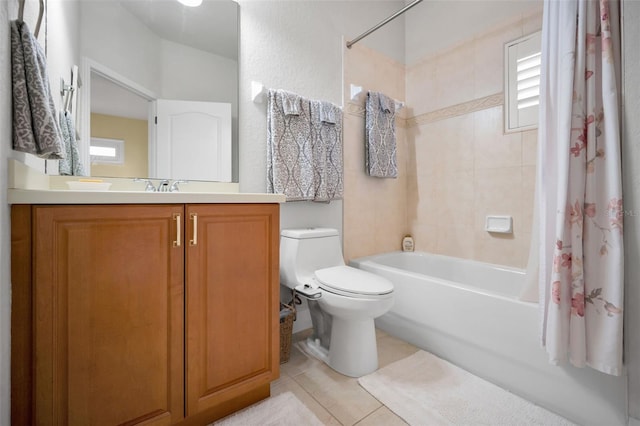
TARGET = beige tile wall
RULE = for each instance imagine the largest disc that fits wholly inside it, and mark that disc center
(456, 164)
(375, 209)
(465, 166)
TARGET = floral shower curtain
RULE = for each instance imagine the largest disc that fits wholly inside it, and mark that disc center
(579, 185)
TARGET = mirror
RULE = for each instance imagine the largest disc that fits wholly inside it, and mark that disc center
(138, 53)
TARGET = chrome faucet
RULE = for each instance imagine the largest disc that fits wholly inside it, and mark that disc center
(163, 185)
(174, 185)
(149, 187)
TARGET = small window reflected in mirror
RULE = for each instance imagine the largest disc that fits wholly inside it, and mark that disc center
(106, 151)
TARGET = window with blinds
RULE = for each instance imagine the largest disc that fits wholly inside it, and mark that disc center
(522, 82)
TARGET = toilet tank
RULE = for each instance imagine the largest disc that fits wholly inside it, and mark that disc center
(303, 251)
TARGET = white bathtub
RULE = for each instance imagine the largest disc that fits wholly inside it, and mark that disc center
(468, 313)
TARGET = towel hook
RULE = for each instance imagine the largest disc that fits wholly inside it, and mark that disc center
(67, 92)
(40, 14)
(64, 87)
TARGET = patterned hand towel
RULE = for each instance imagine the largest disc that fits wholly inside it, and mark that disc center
(380, 136)
(326, 122)
(329, 112)
(291, 103)
(71, 164)
(35, 127)
(289, 148)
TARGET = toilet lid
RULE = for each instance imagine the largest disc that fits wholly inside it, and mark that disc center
(353, 280)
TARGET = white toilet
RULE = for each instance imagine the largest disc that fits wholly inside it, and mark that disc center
(343, 300)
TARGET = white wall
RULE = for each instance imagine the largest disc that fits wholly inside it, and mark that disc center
(196, 75)
(631, 188)
(113, 37)
(435, 25)
(5, 278)
(63, 42)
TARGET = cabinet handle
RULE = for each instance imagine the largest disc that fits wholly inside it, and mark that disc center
(194, 218)
(177, 242)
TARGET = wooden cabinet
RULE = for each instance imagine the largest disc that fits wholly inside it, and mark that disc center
(108, 315)
(155, 314)
(230, 329)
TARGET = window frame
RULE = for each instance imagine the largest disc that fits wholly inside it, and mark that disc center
(117, 144)
(511, 118)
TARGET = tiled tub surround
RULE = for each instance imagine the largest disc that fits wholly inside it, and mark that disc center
(456, 163)
(463, 169)
(375, 210)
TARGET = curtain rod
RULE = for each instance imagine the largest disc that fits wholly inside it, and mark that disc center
(390, 18)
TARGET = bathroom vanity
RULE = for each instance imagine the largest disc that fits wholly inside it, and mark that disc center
(159, 311)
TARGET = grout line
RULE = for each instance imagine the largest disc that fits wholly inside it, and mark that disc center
(381, 405)
(310, 395)
(327, 408)
(380, 408)
(305, 389)
(318, 402)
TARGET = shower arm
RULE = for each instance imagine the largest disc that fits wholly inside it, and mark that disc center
(382, 23)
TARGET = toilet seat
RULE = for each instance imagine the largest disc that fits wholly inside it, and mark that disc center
(352, 282)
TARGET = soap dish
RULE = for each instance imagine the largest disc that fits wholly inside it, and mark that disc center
(78, 185)
(499, 224)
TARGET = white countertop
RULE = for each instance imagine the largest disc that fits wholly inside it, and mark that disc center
(29, 186)
(28, 196)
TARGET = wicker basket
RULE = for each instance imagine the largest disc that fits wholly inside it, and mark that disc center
(287, 314)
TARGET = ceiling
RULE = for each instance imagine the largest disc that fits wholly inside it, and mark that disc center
(211, 27)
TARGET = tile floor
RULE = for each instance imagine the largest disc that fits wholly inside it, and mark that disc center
(336, 399)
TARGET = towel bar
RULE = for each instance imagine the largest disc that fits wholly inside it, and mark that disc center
(357, 91)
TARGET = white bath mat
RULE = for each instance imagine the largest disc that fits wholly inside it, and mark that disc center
(281, 410)
(426, 390)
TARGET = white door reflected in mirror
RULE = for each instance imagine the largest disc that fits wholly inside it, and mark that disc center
(193, 140)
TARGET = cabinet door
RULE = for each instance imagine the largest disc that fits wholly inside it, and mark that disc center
(108, 293)
(232, 287)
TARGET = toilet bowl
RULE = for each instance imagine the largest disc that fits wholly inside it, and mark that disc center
(349, 299)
